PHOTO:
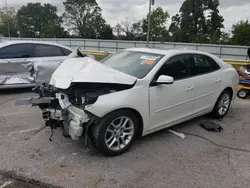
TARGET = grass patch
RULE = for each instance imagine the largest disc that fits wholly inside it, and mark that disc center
(237, 66)
(99, 57)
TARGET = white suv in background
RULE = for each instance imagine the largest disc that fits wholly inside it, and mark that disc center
(17, 59)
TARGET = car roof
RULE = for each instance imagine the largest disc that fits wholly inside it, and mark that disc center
(32, 42)
(168, 52)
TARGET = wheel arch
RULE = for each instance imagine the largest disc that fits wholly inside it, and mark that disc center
(138, 116)
(230, 89)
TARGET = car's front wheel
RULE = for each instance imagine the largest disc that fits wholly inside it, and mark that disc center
(115, 133)
(223, 104)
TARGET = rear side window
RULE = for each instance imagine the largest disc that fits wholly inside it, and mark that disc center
(16, 51)
(43, 50)
(203, 64)
(177, 67)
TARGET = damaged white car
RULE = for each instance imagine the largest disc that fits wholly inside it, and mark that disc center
(133, 93)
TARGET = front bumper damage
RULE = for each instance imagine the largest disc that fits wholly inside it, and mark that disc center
(57, 112)
(72, 120)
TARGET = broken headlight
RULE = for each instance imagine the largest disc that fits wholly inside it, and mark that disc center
(80, 99)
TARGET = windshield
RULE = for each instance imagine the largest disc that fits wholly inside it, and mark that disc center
(137, 64)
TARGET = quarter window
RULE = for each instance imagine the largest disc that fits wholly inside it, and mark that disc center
(177, 67)
(203, 64)
(66, 51)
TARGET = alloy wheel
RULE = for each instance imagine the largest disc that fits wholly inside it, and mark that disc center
(119, 133)
(224, 104)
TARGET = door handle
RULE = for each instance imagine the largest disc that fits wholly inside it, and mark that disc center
(217, 80)
(190, 88)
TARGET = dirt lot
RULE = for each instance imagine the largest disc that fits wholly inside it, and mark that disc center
(160, 160)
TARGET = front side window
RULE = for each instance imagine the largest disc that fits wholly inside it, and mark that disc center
(43, 50)
(177, 67)
(16, 51)
(137, 64)
(203, 64)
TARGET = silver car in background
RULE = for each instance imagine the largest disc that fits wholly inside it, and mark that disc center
(19, 61)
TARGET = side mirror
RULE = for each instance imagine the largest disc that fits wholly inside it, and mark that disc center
(165, 80)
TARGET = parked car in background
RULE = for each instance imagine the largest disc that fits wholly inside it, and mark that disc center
(133, 93)
(18, 58)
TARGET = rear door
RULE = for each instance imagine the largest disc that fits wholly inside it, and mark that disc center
(47, 59)
(208, 81)
(13, 59)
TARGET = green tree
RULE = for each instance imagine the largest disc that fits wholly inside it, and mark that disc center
(225, 38)
(8, 23)
(54, 31)
(106, 32)
(158, 29)
(215, 22)
(193, 21)
(137, 31)
(176, 34)
(241, 33)
(35, 19)
(84, 18)
(191, 24)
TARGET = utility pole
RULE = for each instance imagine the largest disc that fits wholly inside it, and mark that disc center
(7, 16)
(151, 2)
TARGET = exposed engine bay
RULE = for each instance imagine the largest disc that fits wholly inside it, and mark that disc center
(67, 108)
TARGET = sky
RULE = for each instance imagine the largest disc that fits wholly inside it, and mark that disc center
(115, 11)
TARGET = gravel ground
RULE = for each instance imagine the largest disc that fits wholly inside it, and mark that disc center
(202, 160)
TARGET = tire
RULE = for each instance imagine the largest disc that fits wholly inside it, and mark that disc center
(222, 105)
(112, 135)
(242, 94)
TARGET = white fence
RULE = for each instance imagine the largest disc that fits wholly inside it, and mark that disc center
(222, 51)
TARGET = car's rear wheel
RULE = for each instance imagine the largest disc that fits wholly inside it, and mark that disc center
(223, 104)
(242, 93)
(115, 133)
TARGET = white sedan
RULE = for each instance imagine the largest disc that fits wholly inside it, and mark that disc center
(135, 92)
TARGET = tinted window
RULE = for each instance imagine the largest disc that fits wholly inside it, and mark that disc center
(177, 67)
(43, 50)
(66, 51)
(137, 64)
(203, 64)
(16, 51)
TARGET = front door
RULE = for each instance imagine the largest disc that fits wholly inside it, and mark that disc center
(169, 103)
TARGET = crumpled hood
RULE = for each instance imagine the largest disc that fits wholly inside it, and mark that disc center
(87, 70)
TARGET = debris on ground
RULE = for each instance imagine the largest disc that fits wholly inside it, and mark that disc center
(181, 135)
(211, 126)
